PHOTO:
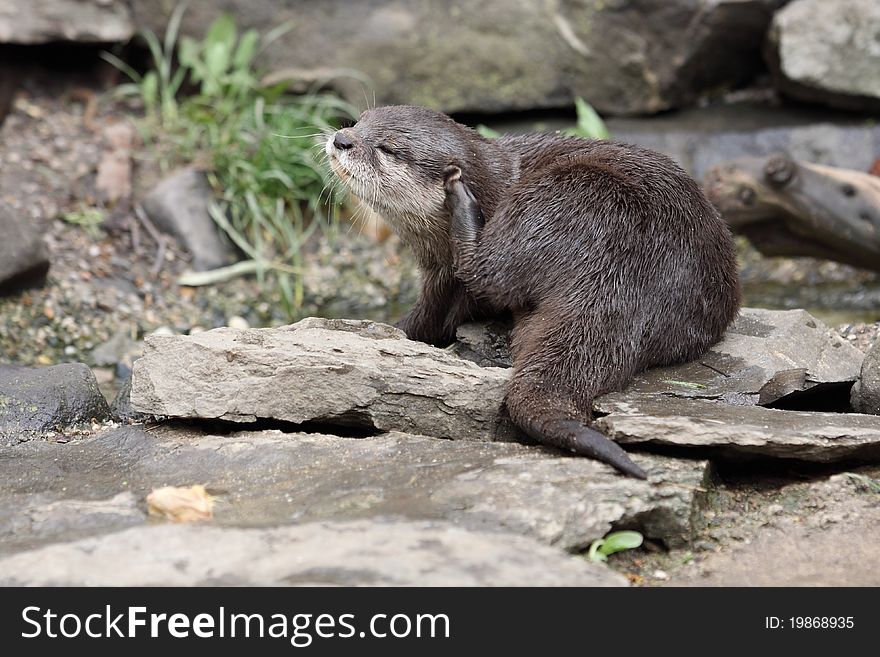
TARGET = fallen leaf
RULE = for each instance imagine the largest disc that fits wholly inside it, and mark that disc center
(181, 504)
(114, 175)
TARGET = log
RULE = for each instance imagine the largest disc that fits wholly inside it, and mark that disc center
(790, 208)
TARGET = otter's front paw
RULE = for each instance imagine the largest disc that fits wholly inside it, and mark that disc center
(467, 219)
(451, 175)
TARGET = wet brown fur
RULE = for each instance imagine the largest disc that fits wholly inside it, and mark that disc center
(609, 256)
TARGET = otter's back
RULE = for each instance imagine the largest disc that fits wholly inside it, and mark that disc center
(605, 225)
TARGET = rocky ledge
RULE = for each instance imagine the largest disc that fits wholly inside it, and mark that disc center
(339, 452)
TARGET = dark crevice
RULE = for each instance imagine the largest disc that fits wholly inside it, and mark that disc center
(225, 427)
(727, 463)
(823, 397)
(771, 474)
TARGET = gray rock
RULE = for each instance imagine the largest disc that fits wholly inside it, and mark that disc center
(712, 403)
(342, 371)
(485, 343)
(23, 256)
(702, 139)
(45, 21)
(736, 431)
(270, 478)
(120, 407)
(866, 391)
(179, 206)
(120, 348)
(36, 400)
(624, 58)
(334, 371)
(827, 52)
(393, 553)
(45, 517)
(823, 533)
(765, 355)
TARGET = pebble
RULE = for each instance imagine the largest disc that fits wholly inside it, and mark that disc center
(239, 323)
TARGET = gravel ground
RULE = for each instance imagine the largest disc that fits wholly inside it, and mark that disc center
(105, 282)
(774, 525)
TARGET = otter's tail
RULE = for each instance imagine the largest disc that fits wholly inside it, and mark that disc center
(553, 422)
(575, 437)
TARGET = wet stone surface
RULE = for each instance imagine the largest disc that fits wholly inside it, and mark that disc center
(59, 492)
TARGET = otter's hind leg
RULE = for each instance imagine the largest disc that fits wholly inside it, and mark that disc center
(552, 389)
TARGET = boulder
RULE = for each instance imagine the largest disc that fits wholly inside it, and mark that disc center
(703, 138)
(503, 55)
(47, 21)
(120, 407)
(62, 492)
(37, 400)
(341, 372)
(828, 52)
(866, 391)
(179, 205)
(355, 553)
(23, 256)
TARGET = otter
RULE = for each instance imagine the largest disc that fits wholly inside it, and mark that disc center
(609, 257)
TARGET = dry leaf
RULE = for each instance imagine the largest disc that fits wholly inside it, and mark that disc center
(114, 170)
(181, 504)
(114, 175)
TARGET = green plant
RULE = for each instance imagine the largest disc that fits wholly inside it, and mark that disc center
(684, 384)
(257, 143)
(486, 131)
(89, 218)
(600, 549)
(864, 481)
(589, 123)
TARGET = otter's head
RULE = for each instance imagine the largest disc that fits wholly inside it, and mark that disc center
(393, 160)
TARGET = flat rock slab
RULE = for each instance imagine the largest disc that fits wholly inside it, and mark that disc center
(765, 355)
(741, 430)
(713, 402)
(335, 371)
(62, 492)
(36, 400)
(365, 553)
(369, 375)
(46, 21)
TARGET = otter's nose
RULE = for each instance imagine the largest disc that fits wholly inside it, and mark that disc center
(342, 142)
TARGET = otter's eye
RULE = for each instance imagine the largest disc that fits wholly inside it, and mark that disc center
(387, 150)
